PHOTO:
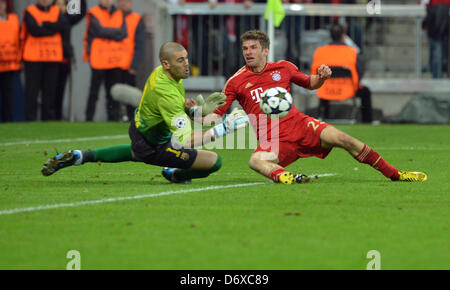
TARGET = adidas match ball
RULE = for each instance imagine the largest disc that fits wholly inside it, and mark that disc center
(276, 102)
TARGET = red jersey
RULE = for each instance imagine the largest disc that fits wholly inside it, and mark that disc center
(246, 87)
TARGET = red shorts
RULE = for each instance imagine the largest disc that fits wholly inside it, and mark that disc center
(303, 141)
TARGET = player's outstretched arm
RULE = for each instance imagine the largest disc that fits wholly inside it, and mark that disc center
(323, 73)
(235, 120)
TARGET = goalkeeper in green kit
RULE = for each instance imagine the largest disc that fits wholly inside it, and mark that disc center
(161, 133)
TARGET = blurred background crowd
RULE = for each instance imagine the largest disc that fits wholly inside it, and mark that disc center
(59, 58)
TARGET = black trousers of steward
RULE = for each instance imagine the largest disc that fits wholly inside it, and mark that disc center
(40, 77)
(109, 77)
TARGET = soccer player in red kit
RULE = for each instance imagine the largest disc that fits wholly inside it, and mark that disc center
(298, 135)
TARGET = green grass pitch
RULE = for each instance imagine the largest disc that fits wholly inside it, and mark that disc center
(330, 224)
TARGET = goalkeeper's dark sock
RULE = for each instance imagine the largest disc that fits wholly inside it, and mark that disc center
(111, 154)
(275, 174)
(369, 156)
(186, 174)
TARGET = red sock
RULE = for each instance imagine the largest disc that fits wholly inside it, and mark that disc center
(275, 174)
(368, 156)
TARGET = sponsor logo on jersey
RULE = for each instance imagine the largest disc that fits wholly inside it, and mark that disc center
(256, 94)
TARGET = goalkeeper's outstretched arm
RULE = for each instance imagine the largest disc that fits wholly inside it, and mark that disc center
(235, 120)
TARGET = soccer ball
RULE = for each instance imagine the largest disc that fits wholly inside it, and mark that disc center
(276, 102)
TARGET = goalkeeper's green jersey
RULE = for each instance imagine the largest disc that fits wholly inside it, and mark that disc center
(161, 112)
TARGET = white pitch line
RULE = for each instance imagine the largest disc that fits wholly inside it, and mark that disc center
(114, 199)
(28, 142)
(323, 175)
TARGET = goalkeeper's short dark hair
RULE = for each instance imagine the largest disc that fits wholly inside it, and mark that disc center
(168, 48)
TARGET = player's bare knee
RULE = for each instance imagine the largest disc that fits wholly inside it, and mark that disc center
(205, 160)
(214, 158)
(217, 164)
(257, 160)
(253, 163)
(213, 155)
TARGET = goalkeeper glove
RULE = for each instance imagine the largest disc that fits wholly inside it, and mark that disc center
(235, 120)
(213, 101)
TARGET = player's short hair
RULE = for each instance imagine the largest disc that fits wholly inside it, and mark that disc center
(256, 35)
(168, 48)
(336, 32)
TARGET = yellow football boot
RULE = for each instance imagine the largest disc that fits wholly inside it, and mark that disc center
(289, 178)
(286, 178)
(412, 176)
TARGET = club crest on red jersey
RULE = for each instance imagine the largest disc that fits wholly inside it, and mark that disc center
(276, 75)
